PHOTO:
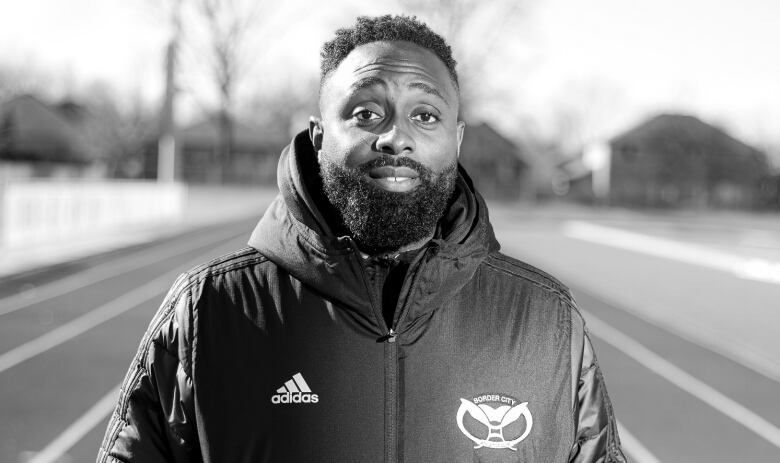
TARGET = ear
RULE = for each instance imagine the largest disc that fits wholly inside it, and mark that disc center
(315, 132)
(461, 129)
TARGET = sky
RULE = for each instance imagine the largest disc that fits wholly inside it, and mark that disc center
(610, 63)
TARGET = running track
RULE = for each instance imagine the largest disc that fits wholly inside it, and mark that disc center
(67, 335)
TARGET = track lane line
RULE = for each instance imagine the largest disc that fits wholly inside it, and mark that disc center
(102, 272)
(91, 319)
(78, 429)
(699, 335)
(95, 317)
(684, 327)
(683, 380)
(763, 270)
(634, 448)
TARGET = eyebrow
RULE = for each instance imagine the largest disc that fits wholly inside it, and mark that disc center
(365, 83)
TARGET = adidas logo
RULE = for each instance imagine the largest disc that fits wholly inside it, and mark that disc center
(294, 391)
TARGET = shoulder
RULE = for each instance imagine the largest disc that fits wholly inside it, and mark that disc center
(191, 283)
(235, 261)
(528, 275)
(172, 326)
(525, 277)
(220, 280)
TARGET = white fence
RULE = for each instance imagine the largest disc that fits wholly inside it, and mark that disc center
(49, 211)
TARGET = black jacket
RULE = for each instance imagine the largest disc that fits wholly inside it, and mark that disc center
(279, 352)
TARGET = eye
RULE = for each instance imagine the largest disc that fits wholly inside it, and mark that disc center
(426, 118)
(365, 115)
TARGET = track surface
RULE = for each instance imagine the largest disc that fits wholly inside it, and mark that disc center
(67, 335)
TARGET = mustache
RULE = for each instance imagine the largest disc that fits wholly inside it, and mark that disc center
(394, 161)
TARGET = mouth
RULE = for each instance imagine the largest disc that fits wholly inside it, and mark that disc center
(396, 179)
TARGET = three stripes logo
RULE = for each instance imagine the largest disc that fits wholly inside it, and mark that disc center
(294, 391)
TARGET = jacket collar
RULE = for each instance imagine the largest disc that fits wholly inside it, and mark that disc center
(299, 233)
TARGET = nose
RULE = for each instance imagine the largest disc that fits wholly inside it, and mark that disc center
(395, 141)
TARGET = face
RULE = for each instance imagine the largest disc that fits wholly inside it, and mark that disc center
(388, 140)
(389, 99)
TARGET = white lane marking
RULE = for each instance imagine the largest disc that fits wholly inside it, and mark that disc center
(684, 381)
(103, 272)
(685, 327)
(701, 335)
(85, 322)
(631, 445)
(96, 316)
(76, 431)
(748, 268)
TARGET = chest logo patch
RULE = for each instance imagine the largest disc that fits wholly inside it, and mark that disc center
(494, 421)
(295, 391)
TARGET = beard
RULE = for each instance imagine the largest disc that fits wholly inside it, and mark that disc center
(382, 221)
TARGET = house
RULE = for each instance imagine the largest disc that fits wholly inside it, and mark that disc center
(770, 192)
(676, 160)
(38, 139)
(495, 164)
(253, 159)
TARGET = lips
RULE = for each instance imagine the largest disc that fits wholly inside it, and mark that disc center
(398, 179)
(393, 174)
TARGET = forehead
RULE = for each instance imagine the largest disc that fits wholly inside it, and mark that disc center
(391, 61)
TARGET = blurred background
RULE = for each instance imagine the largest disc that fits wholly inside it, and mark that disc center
(632, 149)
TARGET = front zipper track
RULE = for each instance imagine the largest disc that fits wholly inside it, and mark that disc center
(391, 402)
(391, 353)
(392, 376)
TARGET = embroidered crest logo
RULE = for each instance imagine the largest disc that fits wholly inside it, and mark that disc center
(501, 418)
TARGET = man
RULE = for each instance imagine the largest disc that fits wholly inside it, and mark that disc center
(372, 318)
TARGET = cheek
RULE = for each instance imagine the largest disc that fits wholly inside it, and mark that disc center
(443, 152)
(349, 149)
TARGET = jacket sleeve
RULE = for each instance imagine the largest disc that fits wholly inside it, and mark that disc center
(154, 419)
(596, 436)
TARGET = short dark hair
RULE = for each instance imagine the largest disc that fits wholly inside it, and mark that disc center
(384, 28)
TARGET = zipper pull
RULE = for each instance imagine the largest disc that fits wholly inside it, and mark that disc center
(389, 337)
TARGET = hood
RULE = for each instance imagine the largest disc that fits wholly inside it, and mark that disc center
(300, 233)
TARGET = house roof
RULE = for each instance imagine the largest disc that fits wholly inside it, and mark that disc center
(482, 143)
(685, 130)
(33, 130)
(672, 136)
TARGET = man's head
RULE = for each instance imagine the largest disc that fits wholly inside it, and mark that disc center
(389, 135)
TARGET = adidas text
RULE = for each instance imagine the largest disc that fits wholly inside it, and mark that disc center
(294, 398)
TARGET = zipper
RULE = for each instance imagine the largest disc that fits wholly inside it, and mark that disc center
(389, 337)
(392, 376)
(391, 398)
(390, 365)
(406, 289)
(390, 351)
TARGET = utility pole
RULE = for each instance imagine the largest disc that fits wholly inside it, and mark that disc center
(598, 157)
(167, 165)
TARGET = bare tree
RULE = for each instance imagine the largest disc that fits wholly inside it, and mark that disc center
(228, 28)
(586, 111)
(285, 110)
(218, 46)
(114, 133)
(219, 33)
